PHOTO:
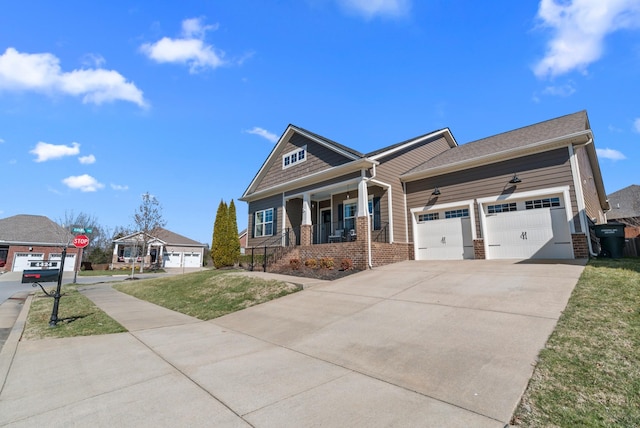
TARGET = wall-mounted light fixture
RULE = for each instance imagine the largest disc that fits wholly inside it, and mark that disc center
(436, 191)
(515, 179)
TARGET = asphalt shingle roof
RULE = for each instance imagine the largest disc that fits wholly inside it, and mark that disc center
(625, 203)
(26, 228)
(547, 130)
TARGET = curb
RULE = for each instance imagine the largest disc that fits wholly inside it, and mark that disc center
(8, 351)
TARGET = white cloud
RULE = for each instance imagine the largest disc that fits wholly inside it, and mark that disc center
(371, 8)
(579, 28)
(636, 124)
(610, 154)
(1, 141)
(84, 183)
(614, 129)
(41, 73)
(560, 91)
(46, 151)
(87, 160)
(190, 49)
(263, 133)
(119, 187)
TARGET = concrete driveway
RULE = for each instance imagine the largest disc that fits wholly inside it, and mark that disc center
(463, 335)
(411, 344)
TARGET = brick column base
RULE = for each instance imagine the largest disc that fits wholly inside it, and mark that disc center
(478, 249)
(305, 235)
(580, 246)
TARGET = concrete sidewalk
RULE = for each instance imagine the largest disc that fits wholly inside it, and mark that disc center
(411, 344)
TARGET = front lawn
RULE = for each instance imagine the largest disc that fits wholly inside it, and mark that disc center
(588, 375)
(207, 294)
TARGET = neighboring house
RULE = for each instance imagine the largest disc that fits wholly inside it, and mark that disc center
(526, 193)
(625, 208)
(242, 237)
(166, 248)
(26, 241)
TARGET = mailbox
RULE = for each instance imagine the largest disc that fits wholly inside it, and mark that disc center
(39, 275)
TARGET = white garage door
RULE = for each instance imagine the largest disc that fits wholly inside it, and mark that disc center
(69, 261)
(192, 260)
(443, 239)
(172, 259)
(536, 229)
(21, 260)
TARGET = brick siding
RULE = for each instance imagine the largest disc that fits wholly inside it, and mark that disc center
(47, 251)
(580, 246)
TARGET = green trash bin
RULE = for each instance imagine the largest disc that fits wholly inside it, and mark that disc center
(611, 239)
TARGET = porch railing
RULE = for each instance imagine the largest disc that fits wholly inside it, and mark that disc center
(273, 248)
(345, 231)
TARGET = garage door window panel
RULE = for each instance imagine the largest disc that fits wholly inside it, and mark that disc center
(428, 217)
(502, 208)
(542, 203)
(457, 213)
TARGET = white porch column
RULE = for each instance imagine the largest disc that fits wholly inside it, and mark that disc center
(363, 195)
(306, 209)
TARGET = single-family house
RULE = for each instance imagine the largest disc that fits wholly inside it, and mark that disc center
(625, 208)
(34, 242)
(526, 193)
(163, 248)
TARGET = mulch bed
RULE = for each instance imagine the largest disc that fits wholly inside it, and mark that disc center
(320, 273)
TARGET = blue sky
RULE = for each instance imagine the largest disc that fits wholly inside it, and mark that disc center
(100, 103)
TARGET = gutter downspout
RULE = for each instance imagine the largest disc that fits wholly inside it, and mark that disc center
(369, 257)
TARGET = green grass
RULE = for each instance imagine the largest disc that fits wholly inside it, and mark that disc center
(115, 272)
(588, 375)
(207, 294)
(77, 316)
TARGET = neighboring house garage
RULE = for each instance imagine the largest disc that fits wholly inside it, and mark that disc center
(27, 241)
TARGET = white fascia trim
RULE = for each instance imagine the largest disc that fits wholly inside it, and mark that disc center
(496, 157)
(389, 203)
(563, 190)
(406, 223)
(326, 188)
(415, 141)
(310, 179)
(284, 217)
(468, 203)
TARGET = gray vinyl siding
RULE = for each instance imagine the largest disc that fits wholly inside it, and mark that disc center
(274, 202)
(318, 158)
(539, 171)
(589, 191)
(391, 167)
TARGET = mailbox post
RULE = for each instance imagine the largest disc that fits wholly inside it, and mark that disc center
(56, 297)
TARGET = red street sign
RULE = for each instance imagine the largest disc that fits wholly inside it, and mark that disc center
(80, 241)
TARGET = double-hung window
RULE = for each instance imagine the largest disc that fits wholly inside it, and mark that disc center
(264, 223)
(350, 211)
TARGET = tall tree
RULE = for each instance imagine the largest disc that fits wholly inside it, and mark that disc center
(88, 222)
(148, 220)
(234, 241)
(220, 226)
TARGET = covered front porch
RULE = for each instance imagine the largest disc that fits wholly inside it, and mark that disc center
(330, 214)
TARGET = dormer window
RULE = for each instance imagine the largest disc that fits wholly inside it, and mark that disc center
(294, 157)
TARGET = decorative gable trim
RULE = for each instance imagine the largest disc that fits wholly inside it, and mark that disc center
(284, 139)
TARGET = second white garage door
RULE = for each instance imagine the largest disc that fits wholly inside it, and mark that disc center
(191, 259)
(541, 233)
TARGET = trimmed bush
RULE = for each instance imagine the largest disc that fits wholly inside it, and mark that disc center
(346, 264)
(326, 262)
(295, 264)
(311, 263)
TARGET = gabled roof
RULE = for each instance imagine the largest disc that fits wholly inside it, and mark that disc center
(33, 229)
(445, 132)
(506, 144)
(165, 236)
(625, 203)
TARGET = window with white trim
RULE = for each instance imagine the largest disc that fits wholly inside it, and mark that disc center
(294, 157)
(463, 212)
(428, 217)
(350, 211)
(263, 223)
(542, 203)
(502, 208)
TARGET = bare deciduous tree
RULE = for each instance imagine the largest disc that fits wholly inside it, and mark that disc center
(148, 220)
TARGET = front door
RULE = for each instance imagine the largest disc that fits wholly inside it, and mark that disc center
(325, 225)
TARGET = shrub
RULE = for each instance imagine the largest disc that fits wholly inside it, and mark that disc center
(346, 264)
(311, 263)
(326, 262)
(294, 264)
